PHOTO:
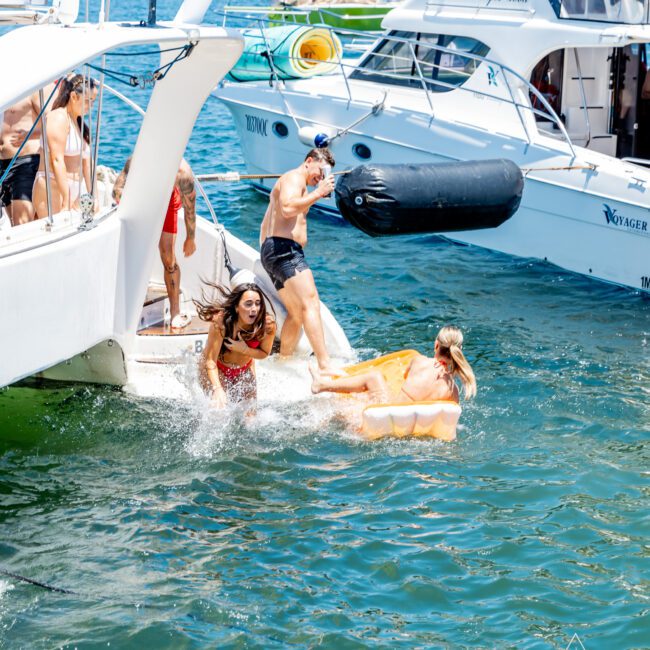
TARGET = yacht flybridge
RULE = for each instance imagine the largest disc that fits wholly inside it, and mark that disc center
(73, 285)
(560, 87)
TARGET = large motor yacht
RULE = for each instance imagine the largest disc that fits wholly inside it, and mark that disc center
(560, 87)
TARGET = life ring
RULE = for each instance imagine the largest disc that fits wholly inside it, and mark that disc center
(436, 419)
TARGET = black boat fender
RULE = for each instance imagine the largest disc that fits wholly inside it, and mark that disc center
(430, 197)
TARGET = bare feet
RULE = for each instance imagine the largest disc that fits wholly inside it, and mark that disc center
(316, 384)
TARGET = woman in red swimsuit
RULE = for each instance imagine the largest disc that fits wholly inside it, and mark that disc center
(241, 331)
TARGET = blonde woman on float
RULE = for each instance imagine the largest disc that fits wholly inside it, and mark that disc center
(68, 141)
(426, 379)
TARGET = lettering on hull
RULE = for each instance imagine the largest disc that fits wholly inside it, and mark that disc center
(256, 125)
(645, 281)
(613, 218)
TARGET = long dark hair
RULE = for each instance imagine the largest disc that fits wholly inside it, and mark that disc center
(75, 83)
(226, 302)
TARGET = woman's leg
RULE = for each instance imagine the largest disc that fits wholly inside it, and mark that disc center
(372, 382)
(39, 197)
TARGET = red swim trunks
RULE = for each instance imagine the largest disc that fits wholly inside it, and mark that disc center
(171, 218)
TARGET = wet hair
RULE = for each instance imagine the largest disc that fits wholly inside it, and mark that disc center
(450, 342)
(324, 155)
(226, 302)
(75, 83)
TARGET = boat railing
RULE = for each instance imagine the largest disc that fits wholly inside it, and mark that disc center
(19, 12)
(307, 15)
(87, 220)
(392, 74)
(625, 12)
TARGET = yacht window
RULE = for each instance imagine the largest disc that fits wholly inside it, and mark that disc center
(280, 129)
(441, 60)
(608, 11)
(547, 78)
(361, 151)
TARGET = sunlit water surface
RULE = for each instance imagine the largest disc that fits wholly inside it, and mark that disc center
(180, 528)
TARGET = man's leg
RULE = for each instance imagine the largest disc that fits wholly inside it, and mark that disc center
(292, 326)
(301, 291)
(20, 212)
(172, 272)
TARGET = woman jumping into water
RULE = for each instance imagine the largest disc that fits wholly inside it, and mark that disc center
(240, 332)
(426, 379)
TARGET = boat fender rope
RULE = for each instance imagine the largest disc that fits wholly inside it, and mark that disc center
(37, 583)
(589, 166)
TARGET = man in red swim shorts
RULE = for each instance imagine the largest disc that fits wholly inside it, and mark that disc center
(183, 195)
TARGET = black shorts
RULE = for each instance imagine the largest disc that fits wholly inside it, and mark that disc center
(282, 258)
(20, 179)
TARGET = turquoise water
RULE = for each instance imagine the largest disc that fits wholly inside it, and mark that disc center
(176, 530)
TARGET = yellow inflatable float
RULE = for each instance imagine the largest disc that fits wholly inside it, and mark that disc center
(433, 419)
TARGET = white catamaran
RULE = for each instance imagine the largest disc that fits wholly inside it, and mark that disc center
(81, 294)
(560, 87)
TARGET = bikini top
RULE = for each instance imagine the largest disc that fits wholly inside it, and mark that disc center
(253, 343)
(75, 144)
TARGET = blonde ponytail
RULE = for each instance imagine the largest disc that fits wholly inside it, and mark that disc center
(450, 340)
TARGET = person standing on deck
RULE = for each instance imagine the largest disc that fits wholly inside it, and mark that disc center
(183, 194)
(15, 123)
(283, 235)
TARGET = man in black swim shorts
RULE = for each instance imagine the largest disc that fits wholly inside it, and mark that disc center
(282, 258)
(17, 185)
(15, 123)
(282, 237)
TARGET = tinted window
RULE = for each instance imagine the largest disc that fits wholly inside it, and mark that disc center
(439, 60)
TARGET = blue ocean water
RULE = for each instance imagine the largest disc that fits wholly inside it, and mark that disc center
(530, 531)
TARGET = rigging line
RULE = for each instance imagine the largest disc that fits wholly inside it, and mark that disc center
(525, 170)
(186, 51)
(38, 117)
(236, 176)
(132, 80)
(37, 583)
(152, 52)
(140, 80)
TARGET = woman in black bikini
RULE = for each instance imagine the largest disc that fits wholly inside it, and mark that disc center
(241, 331)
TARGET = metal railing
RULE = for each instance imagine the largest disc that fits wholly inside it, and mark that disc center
(430, 86)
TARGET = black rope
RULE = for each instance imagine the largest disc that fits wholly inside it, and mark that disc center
(36, 583)
(129, 79)
(169, 49)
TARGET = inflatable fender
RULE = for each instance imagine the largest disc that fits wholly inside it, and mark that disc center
(436, 419)
(431, 197)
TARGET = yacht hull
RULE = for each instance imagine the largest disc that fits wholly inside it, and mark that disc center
(127, 361)
(587, 214)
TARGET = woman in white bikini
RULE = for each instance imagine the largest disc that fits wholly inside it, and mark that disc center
(426, 379)
(68, 138)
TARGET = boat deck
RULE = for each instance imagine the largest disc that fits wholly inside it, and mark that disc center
(197, 326)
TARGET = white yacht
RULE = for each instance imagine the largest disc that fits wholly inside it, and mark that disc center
(560, 87)
(82, 295)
